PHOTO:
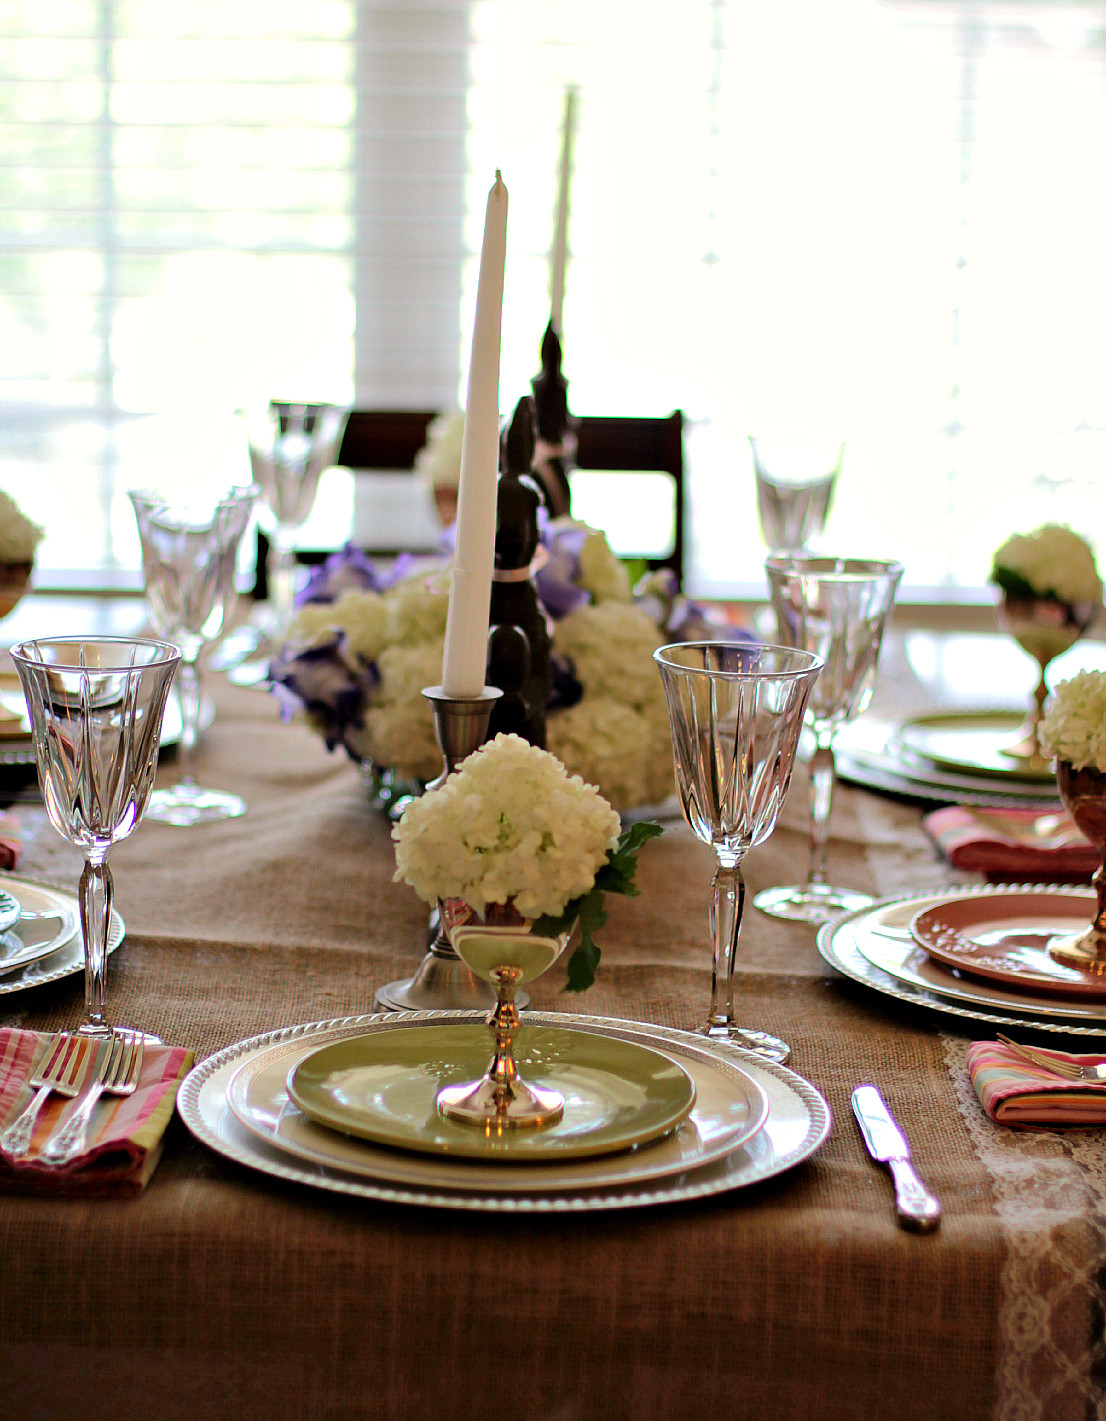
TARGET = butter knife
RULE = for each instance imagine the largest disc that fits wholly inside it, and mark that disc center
(916, 1207)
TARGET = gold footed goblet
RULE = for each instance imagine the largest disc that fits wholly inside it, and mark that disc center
(1084, 794)
(506, 954)
(1044, 627)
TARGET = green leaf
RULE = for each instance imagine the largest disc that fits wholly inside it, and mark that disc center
(616, 876)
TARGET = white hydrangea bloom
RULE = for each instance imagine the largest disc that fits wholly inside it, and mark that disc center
(509, 824)
(607, 745)
(1054, 561)
(611, 645)
(19, 537)
(601, 573)
(1074, 724)
(417, 610)
(439, 460)
(400, 722)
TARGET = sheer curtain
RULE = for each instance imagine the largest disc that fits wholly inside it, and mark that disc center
(881, 217)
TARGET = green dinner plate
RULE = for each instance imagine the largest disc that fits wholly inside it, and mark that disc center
(382, 1086)
(968, 740)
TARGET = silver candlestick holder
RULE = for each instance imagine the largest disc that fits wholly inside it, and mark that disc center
(443, 982)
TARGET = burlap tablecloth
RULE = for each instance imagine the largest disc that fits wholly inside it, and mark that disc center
(220, 1293)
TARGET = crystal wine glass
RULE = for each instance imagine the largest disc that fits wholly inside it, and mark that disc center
(96, 708)
(290, 446)
(735, 713)
(189, 560)
(796, 478)
(837, 608)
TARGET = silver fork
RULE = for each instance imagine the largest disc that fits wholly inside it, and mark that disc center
(1068, 1070)
(62, 1068)
(118, 1075)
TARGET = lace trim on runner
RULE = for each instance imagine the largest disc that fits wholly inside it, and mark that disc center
(1050, 1196)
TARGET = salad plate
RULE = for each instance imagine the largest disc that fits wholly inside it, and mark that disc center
(383, 1086)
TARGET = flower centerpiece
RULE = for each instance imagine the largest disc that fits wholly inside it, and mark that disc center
(519, 841)
(1051, 594)
(365, 643)
(19, 538)
(1073, 729)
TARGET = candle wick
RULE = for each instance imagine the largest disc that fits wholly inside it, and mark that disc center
(498, 178)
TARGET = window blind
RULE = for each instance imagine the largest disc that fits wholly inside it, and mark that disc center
(879, 217)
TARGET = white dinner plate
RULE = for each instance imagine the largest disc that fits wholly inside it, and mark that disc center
(40, 950)
(47, 921)
(874, 946)
(797, 1122)
(729, 1109)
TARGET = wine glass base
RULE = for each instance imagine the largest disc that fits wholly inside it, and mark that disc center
(188, 804)
(486, 1104)
(770, 1047)
(803, 904)
(104, 1032)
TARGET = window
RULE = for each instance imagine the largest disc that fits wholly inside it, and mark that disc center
(881, 217)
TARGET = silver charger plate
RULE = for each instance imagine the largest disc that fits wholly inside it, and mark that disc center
(797, 1123)
(65, 959)
(842, 943)
(893, 776)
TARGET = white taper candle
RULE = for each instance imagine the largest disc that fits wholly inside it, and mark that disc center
(560, 234)
(466, 634)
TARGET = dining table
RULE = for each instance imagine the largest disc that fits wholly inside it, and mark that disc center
(220, 1292)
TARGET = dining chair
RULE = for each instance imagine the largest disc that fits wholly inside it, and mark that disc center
(618, 445)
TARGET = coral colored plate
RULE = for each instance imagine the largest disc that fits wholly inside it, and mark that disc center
(1006, 938)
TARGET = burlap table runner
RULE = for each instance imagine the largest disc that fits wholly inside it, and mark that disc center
(220, 1293)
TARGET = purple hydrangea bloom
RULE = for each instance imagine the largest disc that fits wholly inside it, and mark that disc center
(556, 580)
(566, 690)
(319, 680)
(350, 570)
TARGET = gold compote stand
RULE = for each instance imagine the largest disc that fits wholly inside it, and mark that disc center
(506, 954)
(1044, 627)
(1084, 794)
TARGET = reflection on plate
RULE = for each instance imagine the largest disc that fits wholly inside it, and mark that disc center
(951, 993)
(383, 1087)
(729, 1110)
(970, 742)
(797, 1123)
(17, 750)
(66, 957)
(48, 920)
(1007, 939)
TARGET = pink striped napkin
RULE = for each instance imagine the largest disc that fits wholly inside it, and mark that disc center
(11, 840)
(124, 1142)
(992, 842)
(1014, 1092)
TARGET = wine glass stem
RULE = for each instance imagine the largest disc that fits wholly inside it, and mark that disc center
(727, 901)
(281, 572)
(823, 779)
(95, 896)
(189, 688)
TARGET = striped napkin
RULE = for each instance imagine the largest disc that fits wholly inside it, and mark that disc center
(999, 844)
(1014, 1092)
(124, 1141)
(11, 840)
